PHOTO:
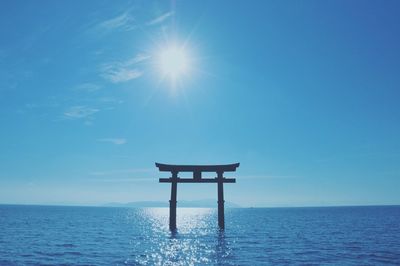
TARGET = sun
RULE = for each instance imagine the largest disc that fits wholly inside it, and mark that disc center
(173, 62)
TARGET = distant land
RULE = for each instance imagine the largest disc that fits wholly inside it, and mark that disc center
(205, 203)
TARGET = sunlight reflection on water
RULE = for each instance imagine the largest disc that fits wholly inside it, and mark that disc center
(197, 240)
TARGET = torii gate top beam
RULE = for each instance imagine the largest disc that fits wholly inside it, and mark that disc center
(197, 168)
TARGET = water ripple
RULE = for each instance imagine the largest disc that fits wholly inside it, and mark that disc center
(34, 235)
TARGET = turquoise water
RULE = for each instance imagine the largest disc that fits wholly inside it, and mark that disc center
(43, 235)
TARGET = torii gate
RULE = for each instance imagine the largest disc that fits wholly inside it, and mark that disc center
(197, 171)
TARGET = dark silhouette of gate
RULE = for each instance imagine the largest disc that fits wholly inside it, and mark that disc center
(197, 171)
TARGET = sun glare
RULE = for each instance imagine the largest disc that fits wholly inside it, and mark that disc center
(174, 62)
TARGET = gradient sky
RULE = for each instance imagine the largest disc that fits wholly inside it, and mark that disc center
(304, 94)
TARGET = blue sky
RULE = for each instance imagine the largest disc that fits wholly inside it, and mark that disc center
(304, 94)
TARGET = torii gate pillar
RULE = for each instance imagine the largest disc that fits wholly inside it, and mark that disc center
(172, 202)
(221, 210)
(197, 171)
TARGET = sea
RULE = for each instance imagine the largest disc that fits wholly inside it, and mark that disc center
(55, 235)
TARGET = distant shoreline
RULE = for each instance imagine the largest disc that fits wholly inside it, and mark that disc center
(199, 207)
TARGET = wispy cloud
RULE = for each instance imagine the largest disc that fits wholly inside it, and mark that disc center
(160, 19)
(123, 180)
(137, 59)
(122, 71)
(268, 176)
(88, 87)
(109, 100)
(78, 112)
(125, 22)
(122, 171)
(32, 105)
(117, 75)
(123, 175)
(116, 141)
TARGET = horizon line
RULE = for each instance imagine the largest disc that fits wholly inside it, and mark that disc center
(239, 207)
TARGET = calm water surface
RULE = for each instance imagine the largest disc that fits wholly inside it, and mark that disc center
(43, 235)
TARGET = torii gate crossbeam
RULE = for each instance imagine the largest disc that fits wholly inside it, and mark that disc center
(197, 171)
